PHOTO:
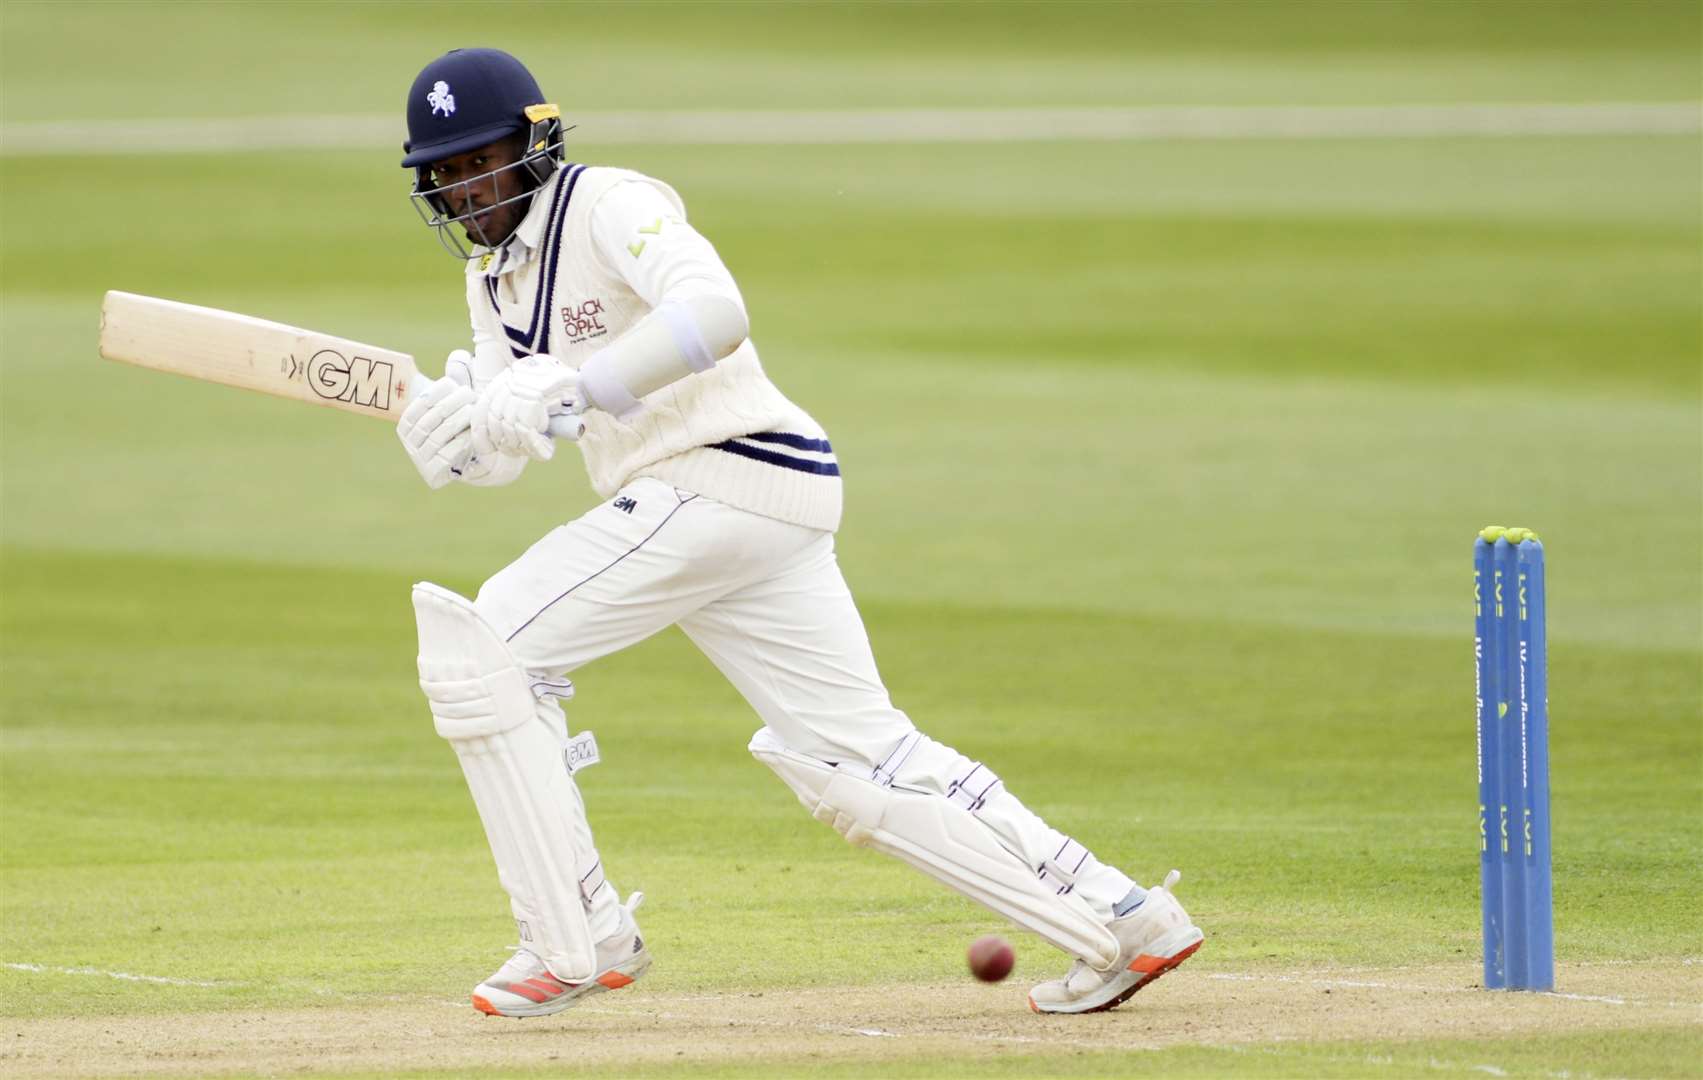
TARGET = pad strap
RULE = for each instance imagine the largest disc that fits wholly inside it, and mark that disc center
(885, 773)
(1062, 866)
(972, 790)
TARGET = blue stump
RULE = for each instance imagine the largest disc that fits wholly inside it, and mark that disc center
(1513, 760)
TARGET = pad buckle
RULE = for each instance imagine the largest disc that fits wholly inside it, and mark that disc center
(971, 791)
(1063, 866)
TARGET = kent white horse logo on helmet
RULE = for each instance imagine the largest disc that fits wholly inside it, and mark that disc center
(440, 99)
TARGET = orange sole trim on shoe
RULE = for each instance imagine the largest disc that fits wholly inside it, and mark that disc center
(1151, 966)
(614, 980)
(485, 1006)
(1155, 966)
(1162, 967)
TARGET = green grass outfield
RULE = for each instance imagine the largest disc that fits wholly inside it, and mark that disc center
(1163, 461)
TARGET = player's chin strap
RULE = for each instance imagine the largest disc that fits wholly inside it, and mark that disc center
(949, 817)
(513, 757)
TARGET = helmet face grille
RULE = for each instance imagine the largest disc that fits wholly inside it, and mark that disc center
(461, 235)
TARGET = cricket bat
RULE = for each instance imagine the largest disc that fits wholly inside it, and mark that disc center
(272, 358)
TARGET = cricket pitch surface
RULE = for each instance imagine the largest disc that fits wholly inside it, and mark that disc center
(851, 1028)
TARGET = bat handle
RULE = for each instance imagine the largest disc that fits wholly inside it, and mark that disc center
(566, 426)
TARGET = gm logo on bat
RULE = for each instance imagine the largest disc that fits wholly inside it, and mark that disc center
(356, 380)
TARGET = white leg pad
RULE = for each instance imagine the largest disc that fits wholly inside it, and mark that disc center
(941, 833)
(512, 759)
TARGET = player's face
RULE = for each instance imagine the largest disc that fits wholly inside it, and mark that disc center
(480, 182)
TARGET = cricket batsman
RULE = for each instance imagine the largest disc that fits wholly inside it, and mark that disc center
(598, 310)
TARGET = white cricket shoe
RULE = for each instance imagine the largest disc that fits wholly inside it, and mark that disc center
(525, 987)
(1154, 938)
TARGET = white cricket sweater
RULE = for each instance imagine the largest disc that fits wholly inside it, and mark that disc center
(599, 249)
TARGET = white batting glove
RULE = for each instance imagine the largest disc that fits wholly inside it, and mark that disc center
(436, 430)
(458, 365)
(487, 468)
(512, 415)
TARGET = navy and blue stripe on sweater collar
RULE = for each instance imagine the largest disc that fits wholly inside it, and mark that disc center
(536, 337)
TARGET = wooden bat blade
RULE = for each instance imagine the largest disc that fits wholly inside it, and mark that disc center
(255, 354)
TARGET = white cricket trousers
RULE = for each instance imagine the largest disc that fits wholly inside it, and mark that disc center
(763, 599)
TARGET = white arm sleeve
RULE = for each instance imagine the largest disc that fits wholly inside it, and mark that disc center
(698, 317)
(677, 339)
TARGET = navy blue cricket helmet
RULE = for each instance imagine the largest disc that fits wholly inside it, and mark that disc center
(463, 100)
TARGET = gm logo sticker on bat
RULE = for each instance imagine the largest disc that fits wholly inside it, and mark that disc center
(356, 380)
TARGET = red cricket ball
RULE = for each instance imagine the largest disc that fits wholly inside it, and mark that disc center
(991, 958)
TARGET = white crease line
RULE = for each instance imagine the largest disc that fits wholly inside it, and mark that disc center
(1594, 997)
(384, 132)
(42, 969)
(1420, 988)
(1362, 984)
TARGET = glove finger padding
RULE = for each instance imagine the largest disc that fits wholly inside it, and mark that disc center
(483, 444)
(512, 414)
(449, 419)
(411, 427)
(507, 424)
(457, 452)
(545, 378)
(434, 430)
(529, 426)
